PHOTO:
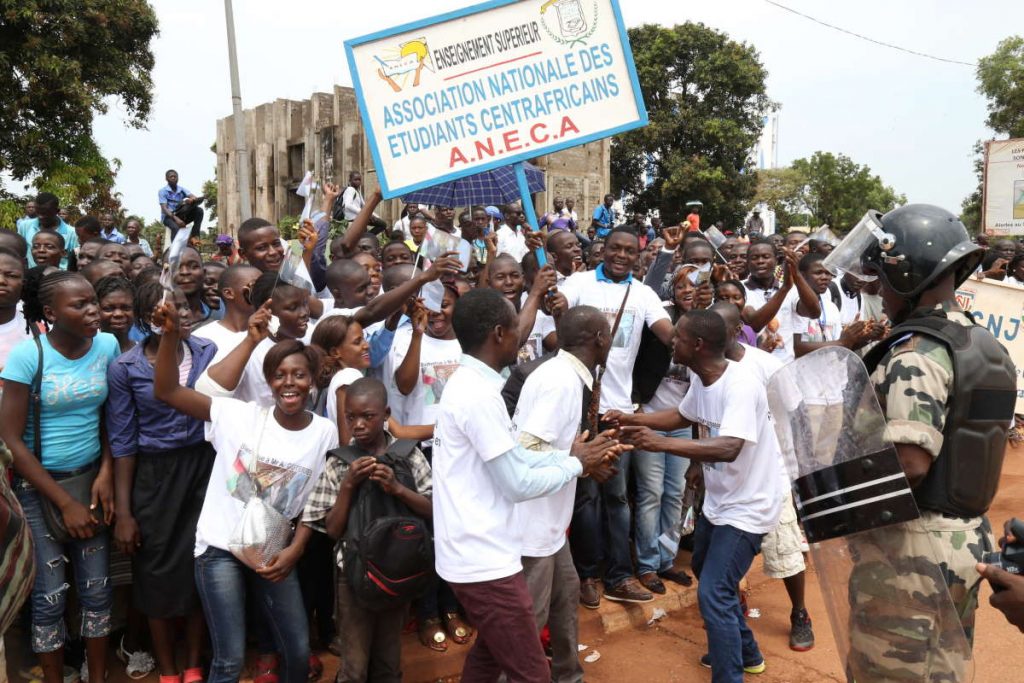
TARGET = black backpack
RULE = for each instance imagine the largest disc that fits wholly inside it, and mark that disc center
(387, 550)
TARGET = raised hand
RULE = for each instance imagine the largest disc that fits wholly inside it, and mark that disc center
(259, 323)
(446, 264)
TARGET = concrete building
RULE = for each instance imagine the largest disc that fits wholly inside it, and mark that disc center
(286, 138)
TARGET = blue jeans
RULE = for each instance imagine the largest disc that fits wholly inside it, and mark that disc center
(721, 557)
(660, 479)
(618, 560)
(90, 560)
(222, 582)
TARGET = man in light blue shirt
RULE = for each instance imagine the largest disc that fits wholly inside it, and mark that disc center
(604, 218)
(171, 197)
(30, 212)
(47, 206)
(108, 229)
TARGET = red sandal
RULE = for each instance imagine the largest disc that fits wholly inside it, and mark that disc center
(266, 669)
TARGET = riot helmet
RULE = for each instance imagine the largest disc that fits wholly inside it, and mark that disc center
(916, 245)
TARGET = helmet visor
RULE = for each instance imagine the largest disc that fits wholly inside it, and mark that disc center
(846, 257)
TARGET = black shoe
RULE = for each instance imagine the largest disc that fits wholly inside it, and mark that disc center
(758, 668)
(801, 635)
(680, 577)
(590, 596)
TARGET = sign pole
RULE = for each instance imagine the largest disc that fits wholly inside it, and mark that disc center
(531, 213)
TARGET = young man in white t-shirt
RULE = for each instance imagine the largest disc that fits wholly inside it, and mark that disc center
(739, 461)
(784, 547)
(770, 300)
(480, 473)
(233, 288)
(811, 333)
(605, 288)
(548, 416)
(511, 239)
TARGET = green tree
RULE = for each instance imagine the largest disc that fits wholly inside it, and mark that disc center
(1001, 80)
(210, 197)
(783, 190)
(826, 188)
(839, 191)
(60, 63)
(706, 99)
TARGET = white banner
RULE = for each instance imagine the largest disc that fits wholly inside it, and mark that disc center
(491, 85)
(999, 307)
(1004, 187)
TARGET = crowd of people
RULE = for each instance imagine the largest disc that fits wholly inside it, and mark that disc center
(546, 410)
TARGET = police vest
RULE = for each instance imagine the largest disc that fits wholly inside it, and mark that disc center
(963, 480)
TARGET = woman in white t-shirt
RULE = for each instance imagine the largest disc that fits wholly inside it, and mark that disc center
(423, 357)
(282, 447)
(346, 353)
(812, 332)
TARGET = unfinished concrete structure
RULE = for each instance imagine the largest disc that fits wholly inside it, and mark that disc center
(286, 138)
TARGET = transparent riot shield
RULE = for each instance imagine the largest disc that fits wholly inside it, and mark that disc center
(888, 603)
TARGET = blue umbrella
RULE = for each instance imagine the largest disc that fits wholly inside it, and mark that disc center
(497, 186)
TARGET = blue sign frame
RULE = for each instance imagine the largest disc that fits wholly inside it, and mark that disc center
(390, 192)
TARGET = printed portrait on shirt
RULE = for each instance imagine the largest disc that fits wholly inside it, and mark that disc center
(435, 376)
(625, 331)
(532, 349)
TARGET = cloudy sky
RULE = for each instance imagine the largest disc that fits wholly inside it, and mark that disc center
(912, 120)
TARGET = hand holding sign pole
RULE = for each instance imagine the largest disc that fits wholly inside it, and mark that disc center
(531, 213)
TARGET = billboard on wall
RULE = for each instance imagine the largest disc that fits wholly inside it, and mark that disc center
(1003, 212)
(491, 85)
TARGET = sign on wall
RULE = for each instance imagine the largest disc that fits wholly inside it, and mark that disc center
(492, 85)
(1004, 187)
(999, 308)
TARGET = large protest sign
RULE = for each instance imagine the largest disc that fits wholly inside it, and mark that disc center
(1000, 308)
(492, 85)
(1004, 187)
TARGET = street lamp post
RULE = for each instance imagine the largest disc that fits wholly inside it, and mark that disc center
(241, 153)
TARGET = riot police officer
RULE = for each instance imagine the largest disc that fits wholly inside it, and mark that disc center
(947, 389)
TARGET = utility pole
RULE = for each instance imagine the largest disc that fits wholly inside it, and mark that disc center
(241, 153)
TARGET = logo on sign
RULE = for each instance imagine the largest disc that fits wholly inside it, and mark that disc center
(569, 24)
(406, 62)
(965, 299)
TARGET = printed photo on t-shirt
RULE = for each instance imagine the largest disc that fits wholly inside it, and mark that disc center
(280, 484)
(434, 377)
(710, 431)
(625, 331)
(531, 350)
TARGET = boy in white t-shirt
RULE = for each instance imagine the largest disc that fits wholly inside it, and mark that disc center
(480, 473)
(548, 416)
(739, 461)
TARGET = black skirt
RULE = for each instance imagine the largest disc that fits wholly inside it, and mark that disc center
(167, 497)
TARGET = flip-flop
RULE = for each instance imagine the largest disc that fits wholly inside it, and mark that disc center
(457, 629)
(432, 635)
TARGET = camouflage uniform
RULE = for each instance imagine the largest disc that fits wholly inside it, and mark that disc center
(913, 382)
